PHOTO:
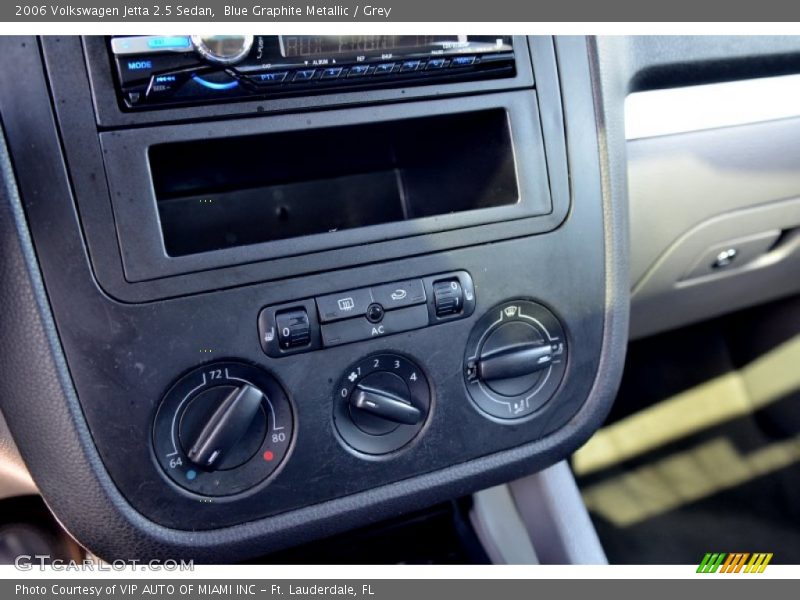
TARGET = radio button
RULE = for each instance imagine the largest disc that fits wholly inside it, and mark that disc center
(358, 70)
(140, 44)
(353, 303)
(398, 295)
(354, 330)
(165, 85)
(462, 61)
(136, 69)
(135, 96)
(384, 69)
(331, 73)
(268, 79)
(409, 65)
(436, 63)
(304, 75)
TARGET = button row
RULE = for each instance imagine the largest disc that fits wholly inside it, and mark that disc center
(147, 77)
(361, 328)
(355, 303)
(356, 71)
(156, 78)
(133, 70)
(365, 313)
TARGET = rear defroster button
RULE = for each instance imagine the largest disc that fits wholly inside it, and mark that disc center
(353, 303)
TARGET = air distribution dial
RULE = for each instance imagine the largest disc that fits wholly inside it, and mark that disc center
(223, 428)
(223, 49)
(515, 359)
(381, 404)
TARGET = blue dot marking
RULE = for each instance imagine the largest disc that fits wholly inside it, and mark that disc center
(191, 474)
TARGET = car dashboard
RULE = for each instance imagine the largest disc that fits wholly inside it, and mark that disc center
(262, 290)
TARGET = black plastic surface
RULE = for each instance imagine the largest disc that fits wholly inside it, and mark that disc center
(155, 342)
(235, 191)
(136, 213)
(190, 328)
(71, 85)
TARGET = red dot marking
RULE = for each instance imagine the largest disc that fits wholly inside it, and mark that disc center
(268, 455)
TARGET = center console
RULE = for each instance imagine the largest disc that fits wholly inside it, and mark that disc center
(301, 283)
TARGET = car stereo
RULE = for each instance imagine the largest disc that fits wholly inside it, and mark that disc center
(192, 69)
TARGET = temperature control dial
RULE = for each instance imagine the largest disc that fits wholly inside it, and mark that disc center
(515, 359)
(223, 428)
(381, 404)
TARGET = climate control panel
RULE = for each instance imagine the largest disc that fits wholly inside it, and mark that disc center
(227, 427)
(365, 313)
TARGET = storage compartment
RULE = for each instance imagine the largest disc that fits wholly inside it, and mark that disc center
(221, 193)
(393, 180)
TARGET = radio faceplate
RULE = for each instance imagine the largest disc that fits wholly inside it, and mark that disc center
(153, 71)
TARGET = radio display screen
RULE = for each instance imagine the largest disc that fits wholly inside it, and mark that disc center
(294, 46)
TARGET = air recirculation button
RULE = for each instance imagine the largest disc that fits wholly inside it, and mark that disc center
(515, 359)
